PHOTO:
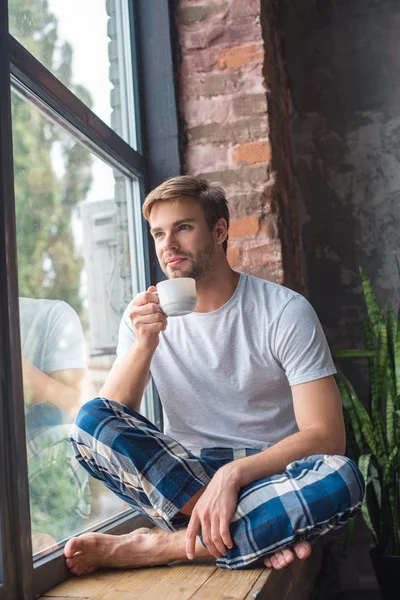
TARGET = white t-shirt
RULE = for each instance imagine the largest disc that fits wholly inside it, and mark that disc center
(51, 335)
(224, 377)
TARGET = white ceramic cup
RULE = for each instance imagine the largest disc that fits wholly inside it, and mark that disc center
(177, 296)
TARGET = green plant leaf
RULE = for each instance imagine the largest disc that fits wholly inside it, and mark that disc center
(397, 355)
(391, 329)
(380, 365)
(364, 465)
(379, 387)
(350, 413)
(390, 422)
(349, 532)
(373, 309)
(366, 425)
(370, 346)
(388, 466)
(353, 353)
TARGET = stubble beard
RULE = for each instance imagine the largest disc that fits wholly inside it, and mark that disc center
(197, 266)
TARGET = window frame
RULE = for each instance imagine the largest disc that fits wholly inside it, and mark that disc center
(158, 157)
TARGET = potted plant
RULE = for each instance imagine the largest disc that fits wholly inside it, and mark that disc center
(374, 435)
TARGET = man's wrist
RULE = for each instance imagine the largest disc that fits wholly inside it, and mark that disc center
(235, 473)
(145, 348)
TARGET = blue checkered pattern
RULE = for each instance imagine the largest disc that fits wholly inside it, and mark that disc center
(157, 476)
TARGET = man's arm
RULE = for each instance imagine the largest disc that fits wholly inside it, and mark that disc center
(319, 416)
(126, 381)
(66, 388)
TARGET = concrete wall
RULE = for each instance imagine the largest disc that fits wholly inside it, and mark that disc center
(343, 65)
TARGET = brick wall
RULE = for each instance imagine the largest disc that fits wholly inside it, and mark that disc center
(230, 74)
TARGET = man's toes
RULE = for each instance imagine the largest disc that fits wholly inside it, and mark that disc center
(73, 546)
(277, 560)
(288, 555)
(88, 569)
(302, 549)
(72, 562)
(284, 557)
(267, 562)
(76, 569)
(79, 569)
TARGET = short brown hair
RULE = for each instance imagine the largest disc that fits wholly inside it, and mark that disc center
(210, 196)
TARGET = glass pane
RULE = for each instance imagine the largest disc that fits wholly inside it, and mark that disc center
(85, 44)
(80, 261)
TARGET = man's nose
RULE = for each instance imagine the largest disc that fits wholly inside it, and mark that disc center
(170, 241)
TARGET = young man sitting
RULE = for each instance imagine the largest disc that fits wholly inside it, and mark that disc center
(251, 456)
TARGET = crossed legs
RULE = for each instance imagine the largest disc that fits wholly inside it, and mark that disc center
(147, 547)
(163, 480)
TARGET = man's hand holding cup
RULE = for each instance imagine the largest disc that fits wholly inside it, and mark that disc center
(148, 319)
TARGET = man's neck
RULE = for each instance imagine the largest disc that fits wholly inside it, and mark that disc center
(217, 289)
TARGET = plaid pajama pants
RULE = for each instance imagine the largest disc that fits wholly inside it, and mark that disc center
(157, 475)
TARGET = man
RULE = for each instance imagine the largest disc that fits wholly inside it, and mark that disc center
(254, 430)
(55, 379)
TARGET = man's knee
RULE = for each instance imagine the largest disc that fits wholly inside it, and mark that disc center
(96, 412)
(346, 480)
(90, 416)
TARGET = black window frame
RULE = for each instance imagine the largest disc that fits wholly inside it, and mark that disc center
(157, 158)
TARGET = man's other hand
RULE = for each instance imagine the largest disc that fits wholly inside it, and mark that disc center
(213, 513)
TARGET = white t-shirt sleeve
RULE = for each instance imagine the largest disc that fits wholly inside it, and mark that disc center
(300, 343)
(65, 340)
(126, 336)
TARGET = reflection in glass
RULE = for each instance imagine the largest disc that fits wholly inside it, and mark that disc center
(86, 45)
(76, 243)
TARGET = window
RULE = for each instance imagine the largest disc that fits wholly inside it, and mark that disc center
(73, 251)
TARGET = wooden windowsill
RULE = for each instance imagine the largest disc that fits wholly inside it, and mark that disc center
(197, 580)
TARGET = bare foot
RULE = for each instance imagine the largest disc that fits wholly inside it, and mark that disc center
(283, 558)
(141, 548)
(90, 551)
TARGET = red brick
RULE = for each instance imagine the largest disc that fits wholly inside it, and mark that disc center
(254, 202)
(248, 80)
(195, 38)
(233, 58)
(203, 111)
(206, 157)
(245, 227)
(244, 8)
(254, 226)
(219, 33)
(252, 153)
(263, 261)
(230, 132)
(245, 179)
(193, 14)
(183, 3)
(250, 104)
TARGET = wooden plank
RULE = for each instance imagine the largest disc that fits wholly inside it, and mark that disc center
(260, 585)
(295, 582)
(228, 584)
(85, 586)
(167, 582)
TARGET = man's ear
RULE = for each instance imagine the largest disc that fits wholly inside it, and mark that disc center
(220, 231)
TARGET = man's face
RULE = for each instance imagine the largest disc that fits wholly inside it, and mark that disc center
(184, 244)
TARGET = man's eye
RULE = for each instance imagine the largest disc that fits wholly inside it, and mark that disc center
(158, 234)
(184, 227)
